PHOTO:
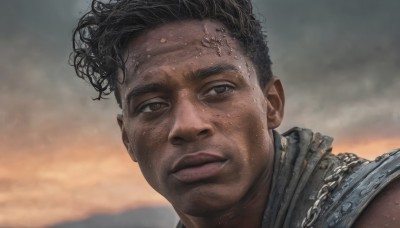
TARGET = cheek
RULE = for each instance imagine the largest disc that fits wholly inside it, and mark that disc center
(145, 139)
(147, 143)
(252, 127)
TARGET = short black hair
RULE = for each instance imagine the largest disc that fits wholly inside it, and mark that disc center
(104, 32)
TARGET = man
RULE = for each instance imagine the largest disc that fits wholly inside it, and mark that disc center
(199, 105)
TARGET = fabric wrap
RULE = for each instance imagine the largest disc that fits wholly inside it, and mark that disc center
(303, 160)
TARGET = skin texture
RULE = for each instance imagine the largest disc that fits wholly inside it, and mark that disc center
(189, 89)
(384, 210)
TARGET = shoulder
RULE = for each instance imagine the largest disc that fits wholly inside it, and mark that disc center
(362, 200)
(384, 209)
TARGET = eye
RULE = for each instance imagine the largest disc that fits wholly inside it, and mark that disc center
(152, 107)
(219, 89)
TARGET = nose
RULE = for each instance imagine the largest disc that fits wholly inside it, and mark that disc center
(190, 124)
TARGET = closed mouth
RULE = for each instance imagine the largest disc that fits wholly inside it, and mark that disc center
(197, 166)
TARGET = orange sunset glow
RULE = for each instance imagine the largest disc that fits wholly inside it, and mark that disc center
(80, 180)
(61, 156)
(368, 149)
(74, 182)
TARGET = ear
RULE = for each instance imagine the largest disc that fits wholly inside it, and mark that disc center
(125, 139)
(276, 102)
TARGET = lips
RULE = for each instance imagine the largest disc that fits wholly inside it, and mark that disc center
(197, 166)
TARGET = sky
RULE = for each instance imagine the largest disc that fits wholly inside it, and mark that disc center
(61, 158)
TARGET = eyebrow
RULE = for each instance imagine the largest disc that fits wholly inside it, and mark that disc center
(143, 89)
(197, 75)
(204, 73)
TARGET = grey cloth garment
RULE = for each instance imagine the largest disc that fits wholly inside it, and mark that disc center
(302, 161)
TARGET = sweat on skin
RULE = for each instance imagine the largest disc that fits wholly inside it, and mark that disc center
(198, 123)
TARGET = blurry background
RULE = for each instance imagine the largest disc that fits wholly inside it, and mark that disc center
(61, 160)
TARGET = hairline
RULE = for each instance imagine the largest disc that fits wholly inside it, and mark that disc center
(125, 50)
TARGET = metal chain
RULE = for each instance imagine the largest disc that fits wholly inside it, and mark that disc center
(349, 161)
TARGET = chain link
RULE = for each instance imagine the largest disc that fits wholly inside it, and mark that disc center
(349, 161)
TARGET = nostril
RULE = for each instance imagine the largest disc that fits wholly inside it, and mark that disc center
(177, 140)
(204, 132)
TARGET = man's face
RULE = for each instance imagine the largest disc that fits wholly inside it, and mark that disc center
(195, 118)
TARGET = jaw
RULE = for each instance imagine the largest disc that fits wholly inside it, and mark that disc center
(211, 211)
(221, 206)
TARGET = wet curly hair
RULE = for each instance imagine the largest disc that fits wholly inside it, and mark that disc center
(104, 32)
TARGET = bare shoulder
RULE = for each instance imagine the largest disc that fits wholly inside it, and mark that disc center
(384, 209)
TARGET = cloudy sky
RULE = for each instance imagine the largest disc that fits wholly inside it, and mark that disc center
(61, 155)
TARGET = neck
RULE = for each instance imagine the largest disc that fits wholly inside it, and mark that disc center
(248, 212)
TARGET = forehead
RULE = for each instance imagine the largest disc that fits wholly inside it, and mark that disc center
(173, 41)
(176, 32)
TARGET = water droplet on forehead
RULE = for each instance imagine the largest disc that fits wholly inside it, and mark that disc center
(220, 30)
(163, 40)
(205, 30)
(148, 56)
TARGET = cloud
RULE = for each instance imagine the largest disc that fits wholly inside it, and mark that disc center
(339, 62)
(42, 101)
(137, 218)
(332, 56)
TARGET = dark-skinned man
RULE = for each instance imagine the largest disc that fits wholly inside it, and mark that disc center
(199, 107)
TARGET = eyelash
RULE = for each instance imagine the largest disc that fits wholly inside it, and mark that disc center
(149, 105)
(142, 108)
(228, 88)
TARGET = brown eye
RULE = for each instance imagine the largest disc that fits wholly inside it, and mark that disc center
(220, 89)
(153, 107)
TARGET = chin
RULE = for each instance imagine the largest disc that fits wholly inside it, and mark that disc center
(204, 203)
(203, 209)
